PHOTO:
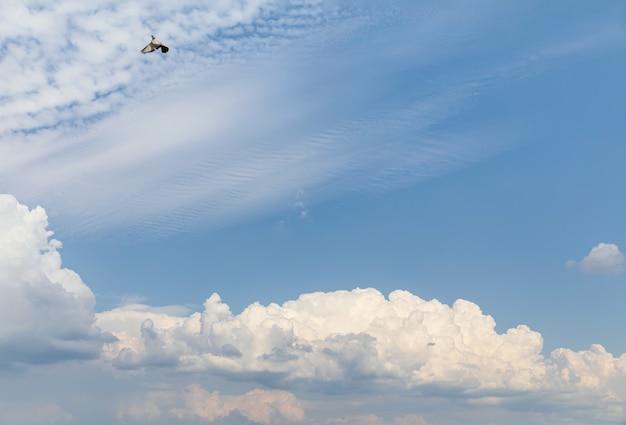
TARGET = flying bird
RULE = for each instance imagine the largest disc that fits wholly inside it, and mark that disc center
(154, 45)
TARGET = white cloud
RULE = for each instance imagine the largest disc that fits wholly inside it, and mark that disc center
(335, 342)
(46, 312)
(340, 337)
(360, 339)
(603, 258)
(215, 147)
(256, 100)
(72, 60)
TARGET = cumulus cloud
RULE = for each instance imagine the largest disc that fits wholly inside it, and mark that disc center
(339, 337)
(361, 339)
(336, 342)
(603, 258)
(46, 311)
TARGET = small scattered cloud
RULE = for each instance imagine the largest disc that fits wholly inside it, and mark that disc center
(302, 210)
(300, 207)
(604, 258)
(570, 263)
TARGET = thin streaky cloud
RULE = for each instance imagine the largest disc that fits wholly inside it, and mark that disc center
(331, 111)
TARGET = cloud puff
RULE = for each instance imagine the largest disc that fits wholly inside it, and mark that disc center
(362, 340)
(604, 258)
(46, 312)
(342, 338)
(259, 406)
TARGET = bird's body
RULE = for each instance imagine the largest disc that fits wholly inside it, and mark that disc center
(154, 45)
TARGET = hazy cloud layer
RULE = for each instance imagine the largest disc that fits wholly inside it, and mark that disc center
(256, 102)
(258, 406)
(377, 420)
(46, 413)
(254, 407)
(46, 311)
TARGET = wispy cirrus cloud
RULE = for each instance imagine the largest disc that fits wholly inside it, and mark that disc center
(256, 102)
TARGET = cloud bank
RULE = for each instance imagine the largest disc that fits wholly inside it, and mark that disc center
(357, 339)
(360, 340)
(338, 338)
(46, 311)
(341, 342)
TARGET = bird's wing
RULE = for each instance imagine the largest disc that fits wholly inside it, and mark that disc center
(149, 48)
(164, 49)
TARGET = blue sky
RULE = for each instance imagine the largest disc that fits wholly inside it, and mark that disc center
(411, 212)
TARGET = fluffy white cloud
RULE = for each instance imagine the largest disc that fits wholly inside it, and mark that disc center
(603, 258)
(46, 312)
(340, 337)
(361, 339)
(332, 342)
